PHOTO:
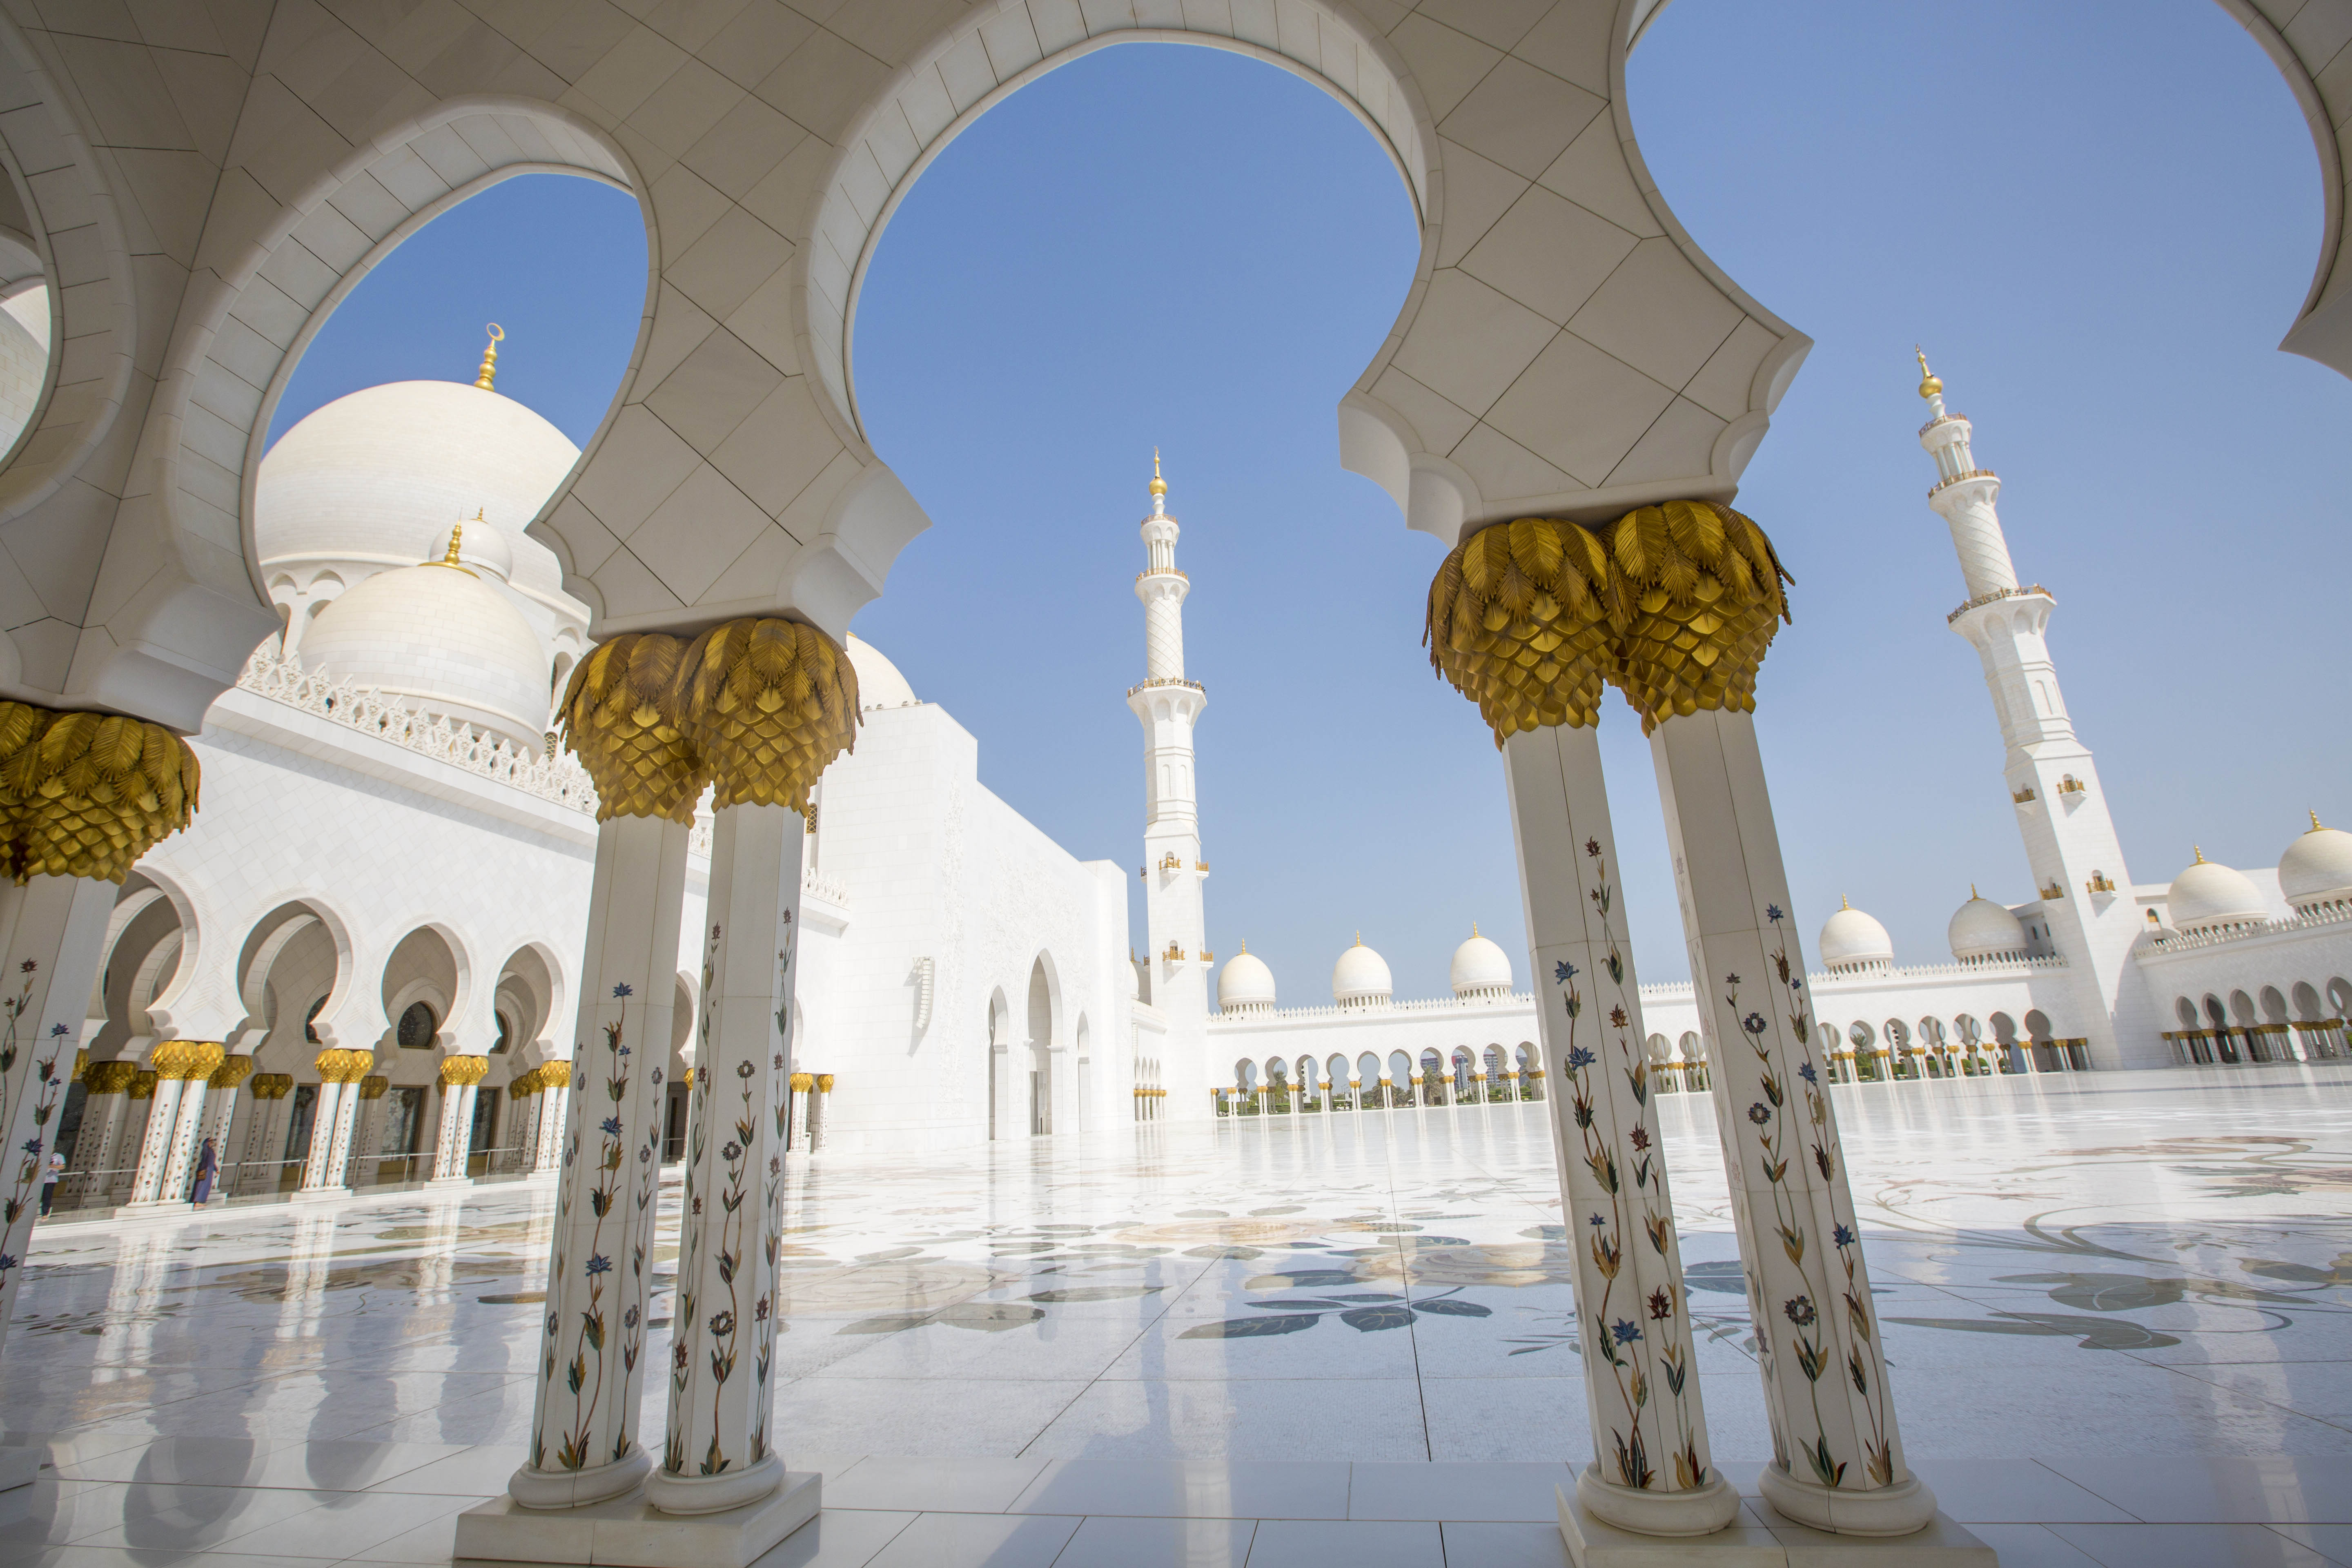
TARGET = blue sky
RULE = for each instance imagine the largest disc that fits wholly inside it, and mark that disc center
(2099, 220)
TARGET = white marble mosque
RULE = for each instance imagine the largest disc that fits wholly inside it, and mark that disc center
(552, 1100)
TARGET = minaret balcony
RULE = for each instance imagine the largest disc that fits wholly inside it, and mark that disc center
(1159, 571)
(1981, 600)
(1168, 680)
(1963, 476)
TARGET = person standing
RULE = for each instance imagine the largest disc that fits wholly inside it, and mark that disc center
(207, 1167)
(51, 1176)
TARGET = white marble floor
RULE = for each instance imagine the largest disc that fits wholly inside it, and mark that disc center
(2117, 1312)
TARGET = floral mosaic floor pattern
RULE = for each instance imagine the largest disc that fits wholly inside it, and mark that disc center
(2105, 1264)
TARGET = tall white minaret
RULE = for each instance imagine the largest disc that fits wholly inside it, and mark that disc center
(1168, 705)
(2086, 906)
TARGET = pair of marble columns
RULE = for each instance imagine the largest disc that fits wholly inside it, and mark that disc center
(1675, 605)
(716, 1453)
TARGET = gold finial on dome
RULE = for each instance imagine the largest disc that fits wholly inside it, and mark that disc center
(1158, 485)
(1359, 938)
(1474, 928)
(451, 556)
(489, 370)
(1929, 386)
(1842, 903)
(2199, 851)
(1973, 894)
(2315, 822)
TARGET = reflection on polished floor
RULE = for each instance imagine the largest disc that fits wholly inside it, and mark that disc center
(2116, 1303)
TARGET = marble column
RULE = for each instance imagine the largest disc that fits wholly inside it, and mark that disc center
(554, 1096)
(717, 1454)
(51, 929)
(181, 1068)
(340, 1072)
(226, 1080)
(202, 1061)
(1838, 1458)
(367, 1135)
(460, 1076)
(107, 1085)
(822, 1085)
(137, 1112)
(1653, 1470)
(262, 1150)
(584, 1445)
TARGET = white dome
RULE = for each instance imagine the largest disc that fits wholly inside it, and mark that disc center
(1982, 929)
(2210, 895)
(377, 477)
(2316, 868)
(1244, 984)
(879, 684)
(1360, 978)
(1480, 968)
(439, 640)
(1851, 939)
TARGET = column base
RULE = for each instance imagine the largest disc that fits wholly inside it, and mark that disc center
(629, 1532)
(1702, 1512)
(1761, 1537)
(1888, 1510)
(320, 1195)
(447, 1183)
(698, 1495)
(154, 1207)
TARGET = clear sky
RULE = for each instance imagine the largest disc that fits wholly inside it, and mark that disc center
(2099, 220)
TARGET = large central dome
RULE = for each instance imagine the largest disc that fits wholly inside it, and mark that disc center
(374, 477)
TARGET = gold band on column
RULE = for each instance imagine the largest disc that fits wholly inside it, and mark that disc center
(1524, 619)
(1705, 587)
(463, 1072)
(1674, 604)
(523, 1084)
(142, 1083)
(620, 718)
(109, 1077)
(85, 794)
(555, 1075)
(767, 704)
(343, 1066)
(373, 1087)
(187, 1059)
(232, 1071)
(272, 1085)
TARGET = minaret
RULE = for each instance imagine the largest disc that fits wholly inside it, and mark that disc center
(2086, 906)
(1168, 705)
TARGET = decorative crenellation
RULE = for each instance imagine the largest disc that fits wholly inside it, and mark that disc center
(553, 777)
(2215, 936)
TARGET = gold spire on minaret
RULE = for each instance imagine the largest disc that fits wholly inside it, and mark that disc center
(489, 369)
(1929, 385)
(1158, 485)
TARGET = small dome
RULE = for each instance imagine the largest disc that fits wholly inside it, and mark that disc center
(376, 476)
(1481, 968)
(1852, 939)
(480, 545)
(879, 684)
(2206, 894)
(1245, 984)
(439, 639)
(1360, 978)
(1983, 929)
(2317, 867)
